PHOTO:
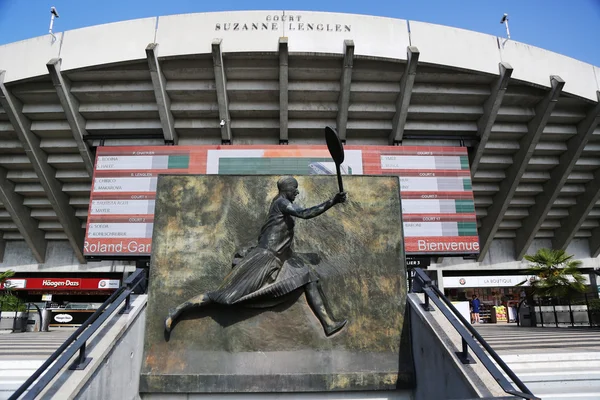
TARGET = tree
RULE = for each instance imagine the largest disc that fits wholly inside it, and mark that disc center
(8, 301)
(4, 276)
(557, 274)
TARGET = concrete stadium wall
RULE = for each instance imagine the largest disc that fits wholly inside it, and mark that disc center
(28, 58)
(440, 375)
(500, 256)
(455, 47)
(116, 353)
(104, 44)
(59, 258)
(373, 37)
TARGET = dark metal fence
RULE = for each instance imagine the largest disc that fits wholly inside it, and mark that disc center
(560, 312)
(15, 319)
(470, 337)
(77, 341)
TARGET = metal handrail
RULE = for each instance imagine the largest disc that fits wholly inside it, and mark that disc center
(77, 341)
(468, 334)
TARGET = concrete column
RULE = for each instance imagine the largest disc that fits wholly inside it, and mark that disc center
(585, 202)
(490, 111)
(594, 240)
(46, 174)
(70, 105)
(2, 247)
(221, 85)
(345, 83)
(440, 279)
(159, 83)
(552, 188)
(403, 101)
(21, 216)
(508, 187)
(283, 90)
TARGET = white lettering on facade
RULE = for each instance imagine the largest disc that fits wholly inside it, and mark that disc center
(54, 284)
(291, 22)
(425, 245)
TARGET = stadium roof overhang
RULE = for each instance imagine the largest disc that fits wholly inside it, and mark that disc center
(530, 117)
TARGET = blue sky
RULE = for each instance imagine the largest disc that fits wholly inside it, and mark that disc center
(570, 27)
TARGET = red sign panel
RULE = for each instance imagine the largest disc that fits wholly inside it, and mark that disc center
(438, 207)
(62, 284)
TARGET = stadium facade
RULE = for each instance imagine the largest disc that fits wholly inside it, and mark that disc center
(529, 118)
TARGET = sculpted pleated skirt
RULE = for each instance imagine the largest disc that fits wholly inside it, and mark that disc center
(261, 276)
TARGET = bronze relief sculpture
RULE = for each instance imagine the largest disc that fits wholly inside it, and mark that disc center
(264, 274)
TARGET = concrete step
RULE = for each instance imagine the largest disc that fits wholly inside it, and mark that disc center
(571, 396)
(551, 357)
(546, 375)
(19, 365)
(564, 387)
(524, 363)
(21, 354)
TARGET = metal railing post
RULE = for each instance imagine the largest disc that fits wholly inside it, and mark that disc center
(82, 361)
(424, 284)
(127, 307)
(589, 312)
(427, 306)
(571, 314)
(463, 355)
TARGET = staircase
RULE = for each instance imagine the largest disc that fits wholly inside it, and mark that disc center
(22, 353)
(554, 363)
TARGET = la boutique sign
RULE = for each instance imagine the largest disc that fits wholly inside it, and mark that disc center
(273, 22)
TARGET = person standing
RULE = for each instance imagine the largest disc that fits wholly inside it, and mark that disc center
(475, 306)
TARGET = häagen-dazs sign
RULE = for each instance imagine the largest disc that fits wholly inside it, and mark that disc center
(292, 22)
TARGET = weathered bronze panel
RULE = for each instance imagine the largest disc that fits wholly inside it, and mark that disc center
(200, 222)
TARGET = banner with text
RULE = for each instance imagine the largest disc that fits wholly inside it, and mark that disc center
(437, 197)
(61, 284)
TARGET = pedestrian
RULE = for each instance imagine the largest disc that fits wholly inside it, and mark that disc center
(475, 305)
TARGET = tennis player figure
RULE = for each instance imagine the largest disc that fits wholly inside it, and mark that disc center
(264, 274)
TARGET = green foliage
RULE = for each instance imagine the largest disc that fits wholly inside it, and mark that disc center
(557, 274)
(9, 302)
(6, 275)
(594, 304)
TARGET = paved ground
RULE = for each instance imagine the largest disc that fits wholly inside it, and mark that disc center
(554, 363)
(22, 353)
(511, 339)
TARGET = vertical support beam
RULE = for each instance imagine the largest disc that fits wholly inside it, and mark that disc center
(46, 174)
(508, 187)
(552, 188)
(70, 106)
(221, 85)
(283, 90)
(21, 216)
(594, 241)
(3, 247)
(490, 111)
(159, 83)
(403, 101)
(345, 83)
(577, 215)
